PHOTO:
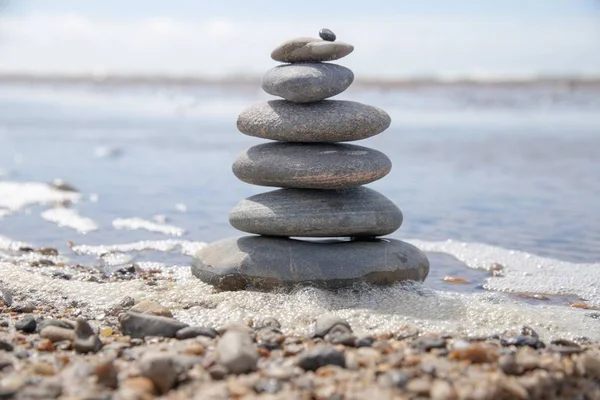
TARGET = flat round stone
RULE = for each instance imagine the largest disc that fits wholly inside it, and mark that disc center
(267, 263)
(325, 121)
(356, 212)
(305, 83)
(308, 49)
(311, 165)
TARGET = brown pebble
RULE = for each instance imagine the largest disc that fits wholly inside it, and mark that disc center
(151, 307)
(44, 369)
(217, 372)
(508, 365)
(475, 353)
(581, 305)
(455, 279)
(107, 374)
(420, 386)
(46, 345)
(140, 384)
(263, 352)
(196, 350)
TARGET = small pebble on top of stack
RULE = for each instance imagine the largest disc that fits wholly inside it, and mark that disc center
(322, 193)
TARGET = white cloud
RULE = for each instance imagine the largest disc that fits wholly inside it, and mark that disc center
(391, 46)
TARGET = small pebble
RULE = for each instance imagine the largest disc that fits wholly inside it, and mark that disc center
(127, 302)
(393, 379)
(270, 386)
(107, 374)
(161, 370)
(427, 343)
(151, 307)
(195, 331)
(327, 35)
(25, 308)
(57, 334)
(455, 279)
(237, 352)
(26, 324)
(86, 340)
(321, 356)
(327, 322)
(4, 345)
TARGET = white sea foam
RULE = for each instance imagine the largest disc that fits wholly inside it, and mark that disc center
(187, 247)
(368, 309)
(17, 195)
(138, 223)
(69, 218)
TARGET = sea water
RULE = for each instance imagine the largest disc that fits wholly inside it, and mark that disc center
(483, 174)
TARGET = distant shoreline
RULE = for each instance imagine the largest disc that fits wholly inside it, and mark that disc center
(253, 81)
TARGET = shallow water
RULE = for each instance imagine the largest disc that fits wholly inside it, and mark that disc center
(483, 175)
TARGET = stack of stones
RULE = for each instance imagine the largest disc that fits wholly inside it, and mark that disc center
(322, 193)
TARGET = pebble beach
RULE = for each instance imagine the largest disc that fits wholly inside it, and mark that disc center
(137, 349)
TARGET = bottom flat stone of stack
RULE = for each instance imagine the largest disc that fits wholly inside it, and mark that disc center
(267, 263)
(355, 212)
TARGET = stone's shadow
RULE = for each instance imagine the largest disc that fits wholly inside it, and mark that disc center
(267, 263)
(359, 211)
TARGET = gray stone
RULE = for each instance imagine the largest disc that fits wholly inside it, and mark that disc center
(306, 83)
(326, 322)
(321, 356)
(267, 263)
(54, 322)
(26, 324)
(356, 212)
(237, 352)
(327, 34)
(195, 331)
(311, 165)
(308, 49)
(325, 121)
(86, 340)
(161, 369)
(57, 334)
(139, 325)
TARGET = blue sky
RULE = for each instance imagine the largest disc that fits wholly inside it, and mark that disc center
(215, 38)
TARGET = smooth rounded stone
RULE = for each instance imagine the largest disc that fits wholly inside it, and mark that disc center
(306, 83)
(320, 356)
(310, 165)
(161, 369)
(326, 323)
(356, 212)
(325, 121)
(57, 334)
(151, 307)
(327, 34)
(237, 352)
(308, 49)
(138, 325)
(86, 340)
(195, 331)
(26, 324)
(267, 263)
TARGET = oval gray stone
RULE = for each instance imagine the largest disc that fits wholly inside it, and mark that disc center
(267, 263)
(325, 121)
(305, 83)
(307, 49)
(311, 165)
(356, 212)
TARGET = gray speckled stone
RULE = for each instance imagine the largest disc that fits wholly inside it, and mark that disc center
(308, 49)
(267, 263)
(306, 83)
(325, 121)
(311, 165)
(356, 212)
